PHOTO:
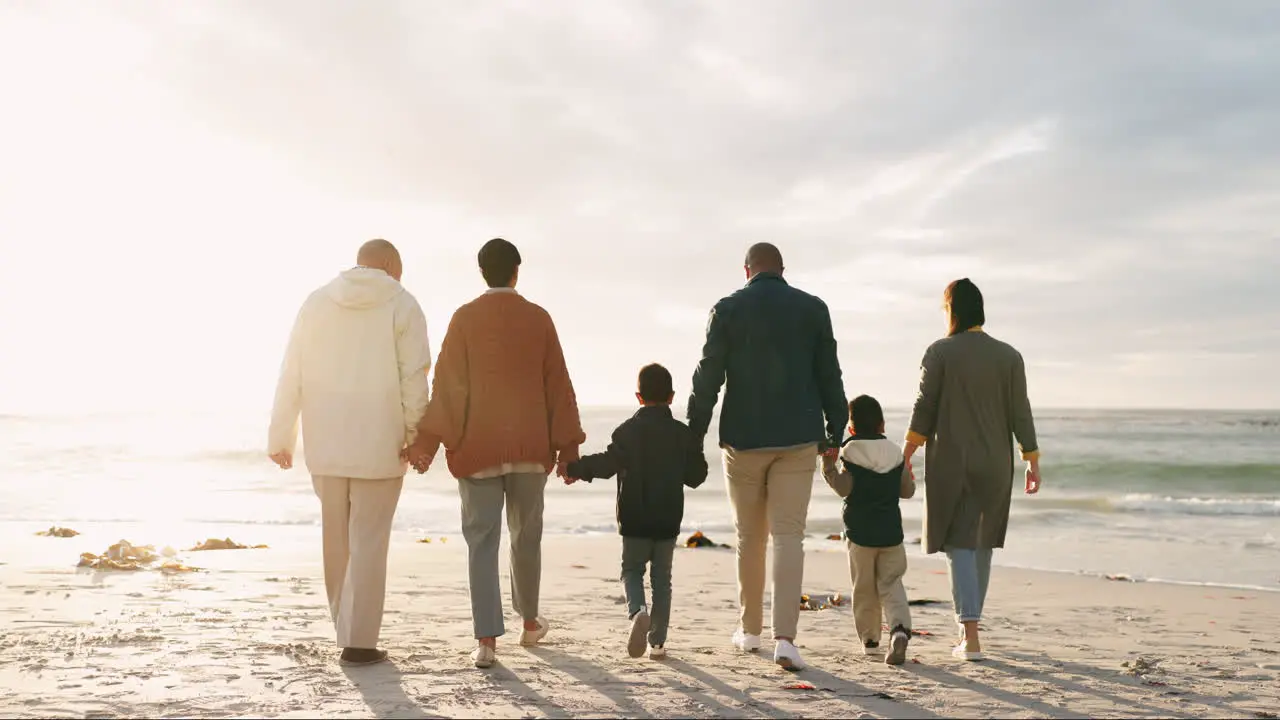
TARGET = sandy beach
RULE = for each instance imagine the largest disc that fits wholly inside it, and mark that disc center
(249, 636)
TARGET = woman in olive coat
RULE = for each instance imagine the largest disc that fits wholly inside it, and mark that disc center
(971, 404)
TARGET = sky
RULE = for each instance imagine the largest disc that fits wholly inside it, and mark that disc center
(176, 177)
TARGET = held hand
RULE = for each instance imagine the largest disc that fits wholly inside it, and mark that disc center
(562, 472)
(1033, 480)
(284, 459)
(417, 457)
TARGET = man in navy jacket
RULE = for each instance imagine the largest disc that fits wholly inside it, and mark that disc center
(773, 348)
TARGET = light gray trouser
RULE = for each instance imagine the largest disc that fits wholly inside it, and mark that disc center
(482, 502)
(970, 572)
(355, 520)
(637, 553)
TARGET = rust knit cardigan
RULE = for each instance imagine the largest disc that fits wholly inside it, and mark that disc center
(501, 392)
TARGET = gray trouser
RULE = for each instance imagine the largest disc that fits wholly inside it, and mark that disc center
(657, 554)
(970, 572)
(482, 501)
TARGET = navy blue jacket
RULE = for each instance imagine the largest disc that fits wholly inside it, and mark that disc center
(772, 346)
(655, 457)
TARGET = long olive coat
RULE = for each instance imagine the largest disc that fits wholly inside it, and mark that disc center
(971, 404)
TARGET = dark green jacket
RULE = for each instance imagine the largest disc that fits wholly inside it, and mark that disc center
(772, 347)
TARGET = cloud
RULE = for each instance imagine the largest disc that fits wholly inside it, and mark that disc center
(1103, 171)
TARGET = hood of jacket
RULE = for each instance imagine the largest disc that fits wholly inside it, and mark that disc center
(363, 289)
(879, 455)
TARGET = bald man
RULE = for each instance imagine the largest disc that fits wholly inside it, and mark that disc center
(772, 348)
(355, 371)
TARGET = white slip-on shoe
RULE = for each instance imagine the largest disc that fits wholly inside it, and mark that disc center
(483, 657)
(962, 652)
(529, 638)
(639, 633)
(745, 642)
(897, 648)
(787, 656)
(657, 652)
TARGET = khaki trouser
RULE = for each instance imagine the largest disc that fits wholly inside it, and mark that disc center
(356, 517)
(877, 584)
(482, 502)
(769, 491)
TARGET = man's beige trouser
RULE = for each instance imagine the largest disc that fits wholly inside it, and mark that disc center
(769, 491)
(356, 517)
(877, 585)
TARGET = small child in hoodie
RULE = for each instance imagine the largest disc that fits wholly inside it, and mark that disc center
(655, 457)
(871, 477)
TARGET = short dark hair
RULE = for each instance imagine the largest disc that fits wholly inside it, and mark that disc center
(764, 257)
(866, 415)
(963, 300)
(654, 384)
(498, 262)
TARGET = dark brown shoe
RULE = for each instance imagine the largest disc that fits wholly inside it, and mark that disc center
(354, 657)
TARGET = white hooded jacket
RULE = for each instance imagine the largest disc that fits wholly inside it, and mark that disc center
(356, 372)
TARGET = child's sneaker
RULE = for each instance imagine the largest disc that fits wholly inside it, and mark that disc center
(871, 647)
(639, 633)
(898, 647)
(657, 652)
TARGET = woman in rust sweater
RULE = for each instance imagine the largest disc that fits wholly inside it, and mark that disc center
(504, 408)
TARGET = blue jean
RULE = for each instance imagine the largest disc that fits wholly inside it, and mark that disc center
(637, 553)
(970, 573)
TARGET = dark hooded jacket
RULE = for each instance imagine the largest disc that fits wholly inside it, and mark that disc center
(655, 457)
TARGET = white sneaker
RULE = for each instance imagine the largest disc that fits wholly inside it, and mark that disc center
(639, 633)
(483, 657)
(897, 648)
(657, 652)
(787, 656)
(529, 638)
(745, 642)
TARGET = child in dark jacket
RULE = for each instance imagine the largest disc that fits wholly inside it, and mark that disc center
(654, 456)
(873, 478)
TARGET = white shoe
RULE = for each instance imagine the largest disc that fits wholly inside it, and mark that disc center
(657, 652)
(639, 633)
(897, 649)
(962, 652)
(745, 642)
(529, 638)
(787, 656)
(483, 657)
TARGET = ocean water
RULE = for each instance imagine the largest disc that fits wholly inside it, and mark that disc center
(1177, 496)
